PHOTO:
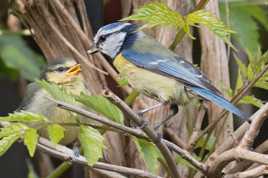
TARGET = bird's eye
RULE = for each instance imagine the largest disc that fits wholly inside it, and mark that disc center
(61, 69)
(102, 39)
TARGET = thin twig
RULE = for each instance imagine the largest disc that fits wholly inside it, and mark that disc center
(187, 156)
(128, 130)
(67, 154)
(60, 169)
(87, 42)
(234, 100)
(175, 138)
(236, 153)
(71, 47)
(217, 161)
(255, 172)
(156, 139)
(255, 127)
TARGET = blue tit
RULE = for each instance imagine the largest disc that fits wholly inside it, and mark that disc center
(153, 69)
(64, 72)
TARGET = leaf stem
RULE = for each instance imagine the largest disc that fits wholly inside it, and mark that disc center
(180, 34)
(60, 169)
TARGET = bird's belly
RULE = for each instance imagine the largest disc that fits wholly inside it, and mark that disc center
(42, 105)
(155, 85)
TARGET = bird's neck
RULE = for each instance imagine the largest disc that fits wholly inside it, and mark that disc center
(76, 86)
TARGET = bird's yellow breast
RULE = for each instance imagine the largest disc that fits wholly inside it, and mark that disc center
(155, 85)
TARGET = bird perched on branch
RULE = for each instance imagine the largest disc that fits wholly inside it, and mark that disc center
(153, 69)
(64, 72)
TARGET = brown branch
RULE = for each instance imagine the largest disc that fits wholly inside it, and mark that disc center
(87, 42)
(217, 161)
(67, 154)
(237, 153)
(175, 138)
(251, 173)
(187, 156)
(255, 126)
(158, 141)
(70, 46)
(150, 133)
(128, 130)
(234, 100)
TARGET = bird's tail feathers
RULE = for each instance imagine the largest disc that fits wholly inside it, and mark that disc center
(218, 100)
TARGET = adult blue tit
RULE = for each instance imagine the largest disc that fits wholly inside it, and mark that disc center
(153, 69)
(64, 72)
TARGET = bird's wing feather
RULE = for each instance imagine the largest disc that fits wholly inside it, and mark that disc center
(218, 100)
(172, 66)
(165, 62)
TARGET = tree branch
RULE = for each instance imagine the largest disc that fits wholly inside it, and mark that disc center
(234, 100)
(127, 130)
(259, 117)
(255, 172)
(87, 43)
(67, 154)
(216, 162)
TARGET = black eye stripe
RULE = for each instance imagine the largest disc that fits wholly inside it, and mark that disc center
(62, 69)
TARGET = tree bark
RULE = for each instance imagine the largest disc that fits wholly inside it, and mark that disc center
(215, 66)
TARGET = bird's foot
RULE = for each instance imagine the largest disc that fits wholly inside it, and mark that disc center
(144, 124)
(174, 108)
(143, 111)
(76, 149)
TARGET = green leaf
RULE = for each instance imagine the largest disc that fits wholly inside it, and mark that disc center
(251, 100)
(210, 143)
(242, 68)
(57, 92)
(182, 162)
(31, 172)
(17, 55)
(23, 116)
(209, 20)
(92, 143)
(157, 13)
(262, 84)
(122, 82)
(30, 140)
(239, 81)
(103, 106)
(259, 13)
(149, 153)
(55, 133)
(11, 129)
(6, 142)
(245, 26)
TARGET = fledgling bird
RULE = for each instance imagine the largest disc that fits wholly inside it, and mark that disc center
(64, 72)
(153, 69)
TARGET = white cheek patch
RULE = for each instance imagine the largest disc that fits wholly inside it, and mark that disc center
(113, 44)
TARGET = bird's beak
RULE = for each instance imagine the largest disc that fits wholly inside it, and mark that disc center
(75, 70)
(93, 50)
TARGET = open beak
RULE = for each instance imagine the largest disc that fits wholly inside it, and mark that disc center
(75, 70)
(93, 50)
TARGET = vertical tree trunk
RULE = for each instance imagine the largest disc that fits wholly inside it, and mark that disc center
(48, 20)
(215, 65)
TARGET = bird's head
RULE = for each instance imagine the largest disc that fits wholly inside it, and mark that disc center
(110, 38)
(62, 71)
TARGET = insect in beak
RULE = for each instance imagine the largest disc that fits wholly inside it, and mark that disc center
(75, 70)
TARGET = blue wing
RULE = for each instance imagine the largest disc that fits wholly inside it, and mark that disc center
(149, 54)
